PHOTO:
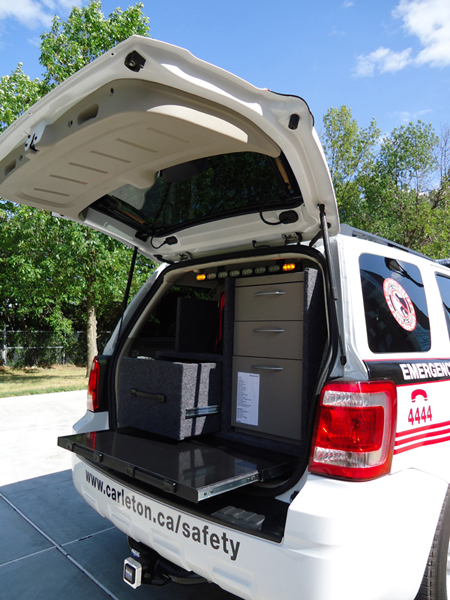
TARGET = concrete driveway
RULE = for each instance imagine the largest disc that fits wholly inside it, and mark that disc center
(53, 546)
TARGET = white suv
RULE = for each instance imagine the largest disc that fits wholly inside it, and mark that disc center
(273, 412)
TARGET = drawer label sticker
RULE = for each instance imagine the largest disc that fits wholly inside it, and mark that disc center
(247, 406)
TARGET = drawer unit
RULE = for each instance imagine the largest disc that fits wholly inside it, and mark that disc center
(266, 302)
(268, 347)
(278, 339)
(270, 278)
(267, 394)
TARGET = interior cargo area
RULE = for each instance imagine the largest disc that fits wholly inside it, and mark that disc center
(214, 385)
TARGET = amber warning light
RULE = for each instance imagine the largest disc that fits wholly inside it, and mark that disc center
(289, 267)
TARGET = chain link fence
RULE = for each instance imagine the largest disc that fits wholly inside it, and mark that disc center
(44, 348)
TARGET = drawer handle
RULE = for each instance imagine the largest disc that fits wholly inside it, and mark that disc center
(269, 330)
(263, 368)
(270, 293)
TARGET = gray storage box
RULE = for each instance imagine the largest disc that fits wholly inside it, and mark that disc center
(172, 399)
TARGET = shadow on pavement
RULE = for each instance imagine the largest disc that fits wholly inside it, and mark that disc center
(53, 546)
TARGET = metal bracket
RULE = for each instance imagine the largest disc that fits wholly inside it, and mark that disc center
(292, 238)
(134, 61)
(201, 411)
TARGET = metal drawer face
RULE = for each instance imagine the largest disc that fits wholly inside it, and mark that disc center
(280, 381)
(282, 301)
(271, 278)
(278, 339)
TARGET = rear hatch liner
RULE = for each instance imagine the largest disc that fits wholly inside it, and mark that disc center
(189, 469)
(176, 157)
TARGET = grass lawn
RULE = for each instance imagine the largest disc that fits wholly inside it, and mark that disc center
(59, 378)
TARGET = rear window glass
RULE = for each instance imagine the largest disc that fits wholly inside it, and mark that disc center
(444, 288)
(395, 305)
(203, 190)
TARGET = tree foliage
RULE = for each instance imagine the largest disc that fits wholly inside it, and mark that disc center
(56, 273)
(396, 186)
(350, 154)
(86, 35)
(17, 93)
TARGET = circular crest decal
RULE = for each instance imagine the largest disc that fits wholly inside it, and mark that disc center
(400, 304)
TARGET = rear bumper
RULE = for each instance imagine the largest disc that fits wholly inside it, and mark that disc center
(354, 540)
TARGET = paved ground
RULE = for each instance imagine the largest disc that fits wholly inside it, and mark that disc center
(53, 546)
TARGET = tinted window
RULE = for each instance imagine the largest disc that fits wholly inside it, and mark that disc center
(203, 190)
(444, 288)
(395, 305)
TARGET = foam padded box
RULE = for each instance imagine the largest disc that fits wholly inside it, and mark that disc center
(160, 396)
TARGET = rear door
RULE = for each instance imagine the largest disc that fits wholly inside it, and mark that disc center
(170, 154)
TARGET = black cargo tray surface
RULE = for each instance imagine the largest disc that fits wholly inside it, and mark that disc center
(188, 469)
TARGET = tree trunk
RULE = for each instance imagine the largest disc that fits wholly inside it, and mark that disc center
(91, 334)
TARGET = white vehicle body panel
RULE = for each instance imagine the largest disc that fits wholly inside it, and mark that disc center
(428, 448)
(370, 539)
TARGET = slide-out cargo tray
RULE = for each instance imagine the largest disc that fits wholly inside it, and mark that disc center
(189, 469)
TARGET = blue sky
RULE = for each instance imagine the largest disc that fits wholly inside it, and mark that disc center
(385, 59)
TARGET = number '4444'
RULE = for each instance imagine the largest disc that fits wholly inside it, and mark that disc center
(420, 416)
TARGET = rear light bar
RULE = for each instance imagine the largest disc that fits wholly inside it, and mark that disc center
(93, 386)
(354, 431)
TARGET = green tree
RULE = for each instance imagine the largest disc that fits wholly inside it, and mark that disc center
(397, 186)
(51, 267)
(86, 35)
(61, 274)
(17, 93)
(397, 193)
(350, 153)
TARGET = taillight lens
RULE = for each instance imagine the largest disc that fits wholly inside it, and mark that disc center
(93, 385)
(355, 430)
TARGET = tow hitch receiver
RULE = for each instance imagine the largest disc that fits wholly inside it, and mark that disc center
(132, 572)
(147, 567)
(144, 570)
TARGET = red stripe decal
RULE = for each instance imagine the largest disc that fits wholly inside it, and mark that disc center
(425, 428)
(421, 437)
(423, 443)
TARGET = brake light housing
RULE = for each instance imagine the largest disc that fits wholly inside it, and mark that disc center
(354, 431)
(93, 398)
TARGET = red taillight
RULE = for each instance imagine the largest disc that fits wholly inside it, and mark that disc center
(92, 391)
(355, 430)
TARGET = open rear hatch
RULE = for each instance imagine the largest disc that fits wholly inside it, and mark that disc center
(107, 147)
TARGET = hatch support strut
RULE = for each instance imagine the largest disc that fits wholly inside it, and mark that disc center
(127, 291)
(323, 233)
